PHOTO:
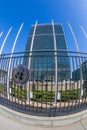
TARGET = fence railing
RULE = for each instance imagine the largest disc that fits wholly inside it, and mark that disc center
(49, 91)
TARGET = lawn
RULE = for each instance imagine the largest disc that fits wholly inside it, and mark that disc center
(43, 95)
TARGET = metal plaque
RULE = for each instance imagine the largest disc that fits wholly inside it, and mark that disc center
(20, 74)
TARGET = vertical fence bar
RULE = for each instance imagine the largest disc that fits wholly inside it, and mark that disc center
(29, 62)
(10, 60)
(77, 48)
(5, 40)
(1, 34)
(56, 64)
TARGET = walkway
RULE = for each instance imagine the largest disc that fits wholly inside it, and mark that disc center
(9, 124)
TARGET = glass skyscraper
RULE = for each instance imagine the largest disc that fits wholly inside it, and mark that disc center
(43, 41)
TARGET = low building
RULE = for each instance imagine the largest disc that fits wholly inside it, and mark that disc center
(76, 75)
(3, 76)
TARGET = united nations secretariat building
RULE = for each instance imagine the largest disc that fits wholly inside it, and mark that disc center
(47, 42)
(46, 84)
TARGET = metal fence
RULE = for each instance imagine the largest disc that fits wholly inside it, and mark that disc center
(57, 84)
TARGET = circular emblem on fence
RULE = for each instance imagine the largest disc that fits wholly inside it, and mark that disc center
(20, 74)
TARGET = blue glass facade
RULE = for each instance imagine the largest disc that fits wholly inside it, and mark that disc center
(76, 74)
(43, 66)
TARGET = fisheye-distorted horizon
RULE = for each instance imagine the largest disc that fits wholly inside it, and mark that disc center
(14, 13)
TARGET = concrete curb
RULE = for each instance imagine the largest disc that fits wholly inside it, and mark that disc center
(42, 121)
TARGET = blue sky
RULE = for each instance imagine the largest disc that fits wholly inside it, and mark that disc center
(14, 12)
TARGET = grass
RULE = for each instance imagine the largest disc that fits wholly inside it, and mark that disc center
(70, 94)
(2, 88)
(50, 95)
(44, 96)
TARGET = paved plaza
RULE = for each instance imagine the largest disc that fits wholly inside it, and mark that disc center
(9, 124)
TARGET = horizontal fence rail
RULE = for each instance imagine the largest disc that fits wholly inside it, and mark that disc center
(41, 94)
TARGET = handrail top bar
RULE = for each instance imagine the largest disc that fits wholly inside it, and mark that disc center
(62, 50)
(44, 24)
